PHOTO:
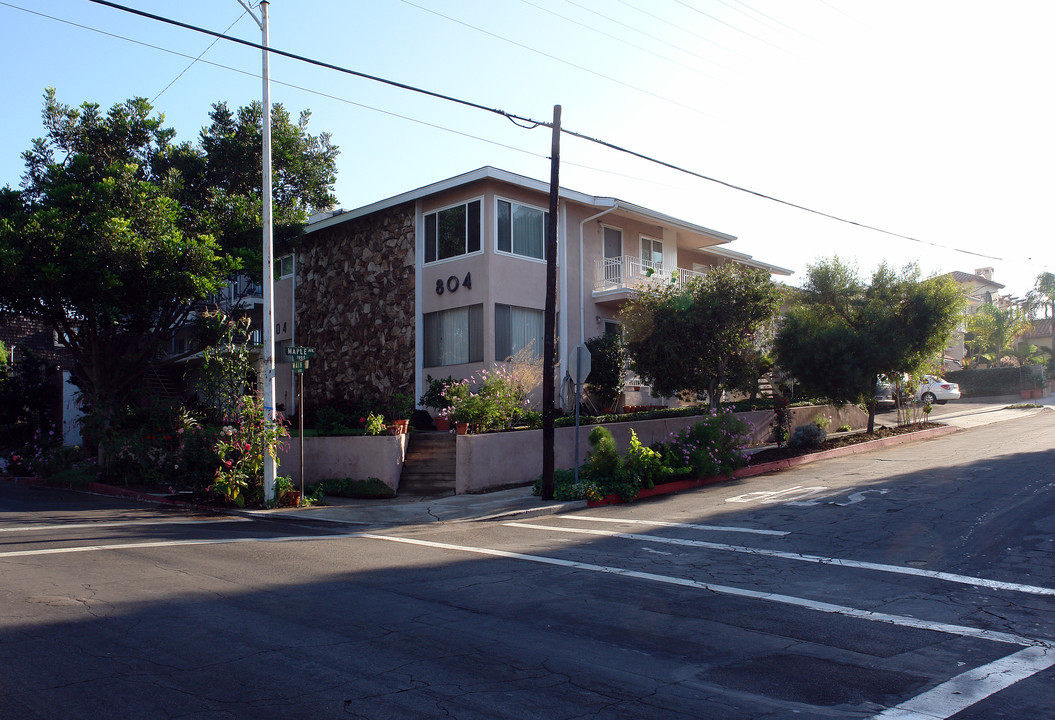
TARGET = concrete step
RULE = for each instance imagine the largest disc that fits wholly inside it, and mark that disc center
(429, 465)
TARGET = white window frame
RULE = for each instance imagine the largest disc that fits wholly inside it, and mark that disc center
(652, 250)
(436, 212)
(512, 242)
(292, 266)
(474, 341)
(507, 332)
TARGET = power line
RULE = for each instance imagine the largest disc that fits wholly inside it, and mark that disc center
(534, 123)
(678, 168)
(696, 35)
(319, 63)
(660, 40)
(280, 82)
(200, 56)
(554, 57)
(593, 29)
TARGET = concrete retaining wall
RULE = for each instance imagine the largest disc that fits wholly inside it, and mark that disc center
(513, 458)
(357, 457)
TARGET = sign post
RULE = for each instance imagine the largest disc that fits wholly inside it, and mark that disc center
(300, 357)
(579, 369)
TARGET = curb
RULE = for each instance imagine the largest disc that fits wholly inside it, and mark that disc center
(114, 491)
(778, 465)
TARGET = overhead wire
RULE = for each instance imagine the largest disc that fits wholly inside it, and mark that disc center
(557, 59)
(195, 60)
(697, 35)
(620, 40)
(532, 123)
(656, 38)
(280, 82)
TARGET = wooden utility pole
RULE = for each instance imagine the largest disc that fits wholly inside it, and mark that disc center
(549, 341)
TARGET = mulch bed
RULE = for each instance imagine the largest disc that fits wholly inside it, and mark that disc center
(783, 453)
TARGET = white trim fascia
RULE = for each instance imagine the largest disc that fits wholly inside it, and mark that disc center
(562, 257)
(419, 332)
(745, 259)
(492, 173)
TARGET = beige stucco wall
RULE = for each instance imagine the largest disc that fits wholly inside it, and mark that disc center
(358, 457)
(483, 460)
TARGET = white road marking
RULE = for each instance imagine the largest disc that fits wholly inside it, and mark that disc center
(805, 603)
(94, 525)
(167, 543)
(973, 686)
(689, 526)
(770, 497)
(859, 564)
(852, 499)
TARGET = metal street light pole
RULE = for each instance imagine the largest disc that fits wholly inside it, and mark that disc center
(268, 337)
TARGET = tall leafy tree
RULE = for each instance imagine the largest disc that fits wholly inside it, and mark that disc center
(117, 232)
(693, 339)
(219, 181)
(843, 333)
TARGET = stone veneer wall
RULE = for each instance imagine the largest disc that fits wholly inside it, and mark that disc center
(355, 304)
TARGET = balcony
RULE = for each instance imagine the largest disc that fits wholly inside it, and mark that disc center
(615, 278)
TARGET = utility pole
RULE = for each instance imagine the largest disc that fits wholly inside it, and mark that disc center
(549, 342)
(268, 336)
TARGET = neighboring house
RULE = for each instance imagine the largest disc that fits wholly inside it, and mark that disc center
(1039, 334)
(980, 289)
(450, 278)
(21, 335)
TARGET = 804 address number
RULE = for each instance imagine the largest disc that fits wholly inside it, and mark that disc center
(453, 283)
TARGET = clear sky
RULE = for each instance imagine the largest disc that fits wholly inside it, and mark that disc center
(929, 119)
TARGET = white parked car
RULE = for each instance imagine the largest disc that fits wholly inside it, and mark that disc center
(933, 389)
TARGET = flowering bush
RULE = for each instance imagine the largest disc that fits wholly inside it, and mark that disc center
(713, 446)
(495, 400)
(160, 444)
(241, 446)
(43, 455)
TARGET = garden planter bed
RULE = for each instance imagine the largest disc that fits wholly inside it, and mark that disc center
(774, 459)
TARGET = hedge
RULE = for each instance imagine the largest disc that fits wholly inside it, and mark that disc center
(995, 381)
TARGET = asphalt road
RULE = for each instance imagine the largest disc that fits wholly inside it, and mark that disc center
(913, 582)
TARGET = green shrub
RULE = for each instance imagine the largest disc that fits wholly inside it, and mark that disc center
(347, 487)
(331, 421)
(808, 436)
(844, 428)
(603, 460)
(993, 381)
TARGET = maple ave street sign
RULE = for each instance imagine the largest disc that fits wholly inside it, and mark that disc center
(298, 352)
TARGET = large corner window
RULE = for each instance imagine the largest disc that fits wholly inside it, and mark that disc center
(521, 230)
(517, 328)
(452, 232)
(454, 337)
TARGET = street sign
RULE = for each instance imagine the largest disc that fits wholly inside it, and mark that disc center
(579, 364)
(300, 366)
(299, 352)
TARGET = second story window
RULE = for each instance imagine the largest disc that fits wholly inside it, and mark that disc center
(522, 230)
(452, 231)
(284, 266)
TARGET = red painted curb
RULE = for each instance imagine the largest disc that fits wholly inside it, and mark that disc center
(776, 465)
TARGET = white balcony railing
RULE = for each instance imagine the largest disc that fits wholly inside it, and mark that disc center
(628, 272)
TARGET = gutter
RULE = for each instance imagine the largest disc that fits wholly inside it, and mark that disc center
(582, 269)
